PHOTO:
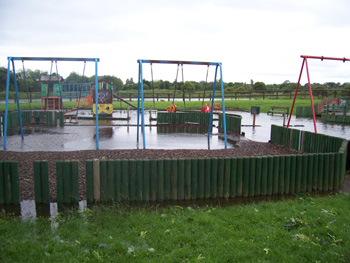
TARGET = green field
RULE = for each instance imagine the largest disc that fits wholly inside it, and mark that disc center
(306, 229)
(245, 105)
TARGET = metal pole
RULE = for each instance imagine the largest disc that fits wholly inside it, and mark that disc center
(7, 100)
(223, 105)
(296, 92)
(138, 105)
(96, 104)
(212, 105)
(17, 99)
(143, 110)
(311, 98)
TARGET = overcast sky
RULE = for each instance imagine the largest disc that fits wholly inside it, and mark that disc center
(258, 40)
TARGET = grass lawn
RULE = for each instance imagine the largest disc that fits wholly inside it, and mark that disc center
(264, 105)
(307, 229)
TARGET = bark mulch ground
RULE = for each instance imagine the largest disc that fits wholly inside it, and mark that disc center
(25, 160)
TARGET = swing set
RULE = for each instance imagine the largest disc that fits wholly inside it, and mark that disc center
(11, 60)
(309, 83)
(140, 98)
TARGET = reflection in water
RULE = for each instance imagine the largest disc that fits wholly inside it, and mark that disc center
(29, 209)
(195, 129)
(121, 133)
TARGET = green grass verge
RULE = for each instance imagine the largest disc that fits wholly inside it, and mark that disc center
(303, 230)
(245, 105)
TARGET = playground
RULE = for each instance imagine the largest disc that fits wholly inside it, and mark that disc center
(207, 140)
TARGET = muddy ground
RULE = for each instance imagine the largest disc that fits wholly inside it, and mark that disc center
(25, 160)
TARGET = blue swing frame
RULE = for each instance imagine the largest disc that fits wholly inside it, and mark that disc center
(13, 59)
(140, 93)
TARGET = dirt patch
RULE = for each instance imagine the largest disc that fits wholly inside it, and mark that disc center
(25, 160)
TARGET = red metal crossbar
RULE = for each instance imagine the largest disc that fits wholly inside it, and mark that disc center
(325, 58)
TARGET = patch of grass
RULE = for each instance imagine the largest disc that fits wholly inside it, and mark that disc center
(245, 105)
(303, 230)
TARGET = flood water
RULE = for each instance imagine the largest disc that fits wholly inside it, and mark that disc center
(263, 124)
(121, 134)
(115, 134)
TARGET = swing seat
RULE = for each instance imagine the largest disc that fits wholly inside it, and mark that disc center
(206, 109)
(171, 109)
(217, 106)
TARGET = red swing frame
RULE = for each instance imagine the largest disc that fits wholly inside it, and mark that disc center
(309, 84)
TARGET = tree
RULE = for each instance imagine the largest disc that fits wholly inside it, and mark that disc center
(74, 77)
(188, 87)
(259, 86)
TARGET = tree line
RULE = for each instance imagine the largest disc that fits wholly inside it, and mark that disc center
(31, 82)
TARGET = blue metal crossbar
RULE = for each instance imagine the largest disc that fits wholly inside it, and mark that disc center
(54, 59)
(13, 59)
(179, 62)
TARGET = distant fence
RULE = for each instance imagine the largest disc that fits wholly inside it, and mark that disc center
(247, 94)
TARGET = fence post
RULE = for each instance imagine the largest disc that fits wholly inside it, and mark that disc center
(146, 180)
(167, 176)
(103, 180)
(220, 175)
(110, 180)
(174, 180)
(139, 180)
(207, 165)
(132, 180)
(252, 174)
(194, 178)
(188, 179)
(246, 176)
(41, 182)
(89, 182)
(96, 180)
(153, 180)
(160, 180)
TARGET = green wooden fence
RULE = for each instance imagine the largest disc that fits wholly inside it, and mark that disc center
(34, 117)
(41, 182)
(305, 111)
(181, 118)
(329, 153)
(320, 166)
(67, 173)
(233, 122)
(193, 179)
(9, 183)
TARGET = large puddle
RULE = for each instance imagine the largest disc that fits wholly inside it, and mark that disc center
(116, 134)
(121, 134)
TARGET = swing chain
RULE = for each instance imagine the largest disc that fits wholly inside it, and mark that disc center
(26, 86)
